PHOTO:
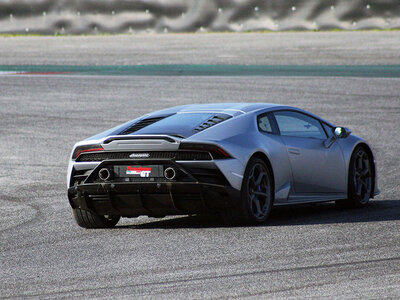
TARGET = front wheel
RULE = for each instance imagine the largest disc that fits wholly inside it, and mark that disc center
(360, 179)
(88, 219)
(256, 195)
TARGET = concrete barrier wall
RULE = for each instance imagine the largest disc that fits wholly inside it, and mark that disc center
(130, 16)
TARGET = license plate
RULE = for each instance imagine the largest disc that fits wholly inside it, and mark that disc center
(139, 171)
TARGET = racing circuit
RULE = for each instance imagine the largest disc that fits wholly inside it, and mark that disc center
(303, 251)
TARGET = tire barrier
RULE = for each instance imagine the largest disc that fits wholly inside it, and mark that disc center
(136, 16)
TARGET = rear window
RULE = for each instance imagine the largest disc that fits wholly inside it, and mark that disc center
(183, 124)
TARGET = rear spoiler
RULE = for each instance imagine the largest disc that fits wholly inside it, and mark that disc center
(142, 137)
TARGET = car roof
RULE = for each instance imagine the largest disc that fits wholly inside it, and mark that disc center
(229, 108)
(243, 107)
(234, 109)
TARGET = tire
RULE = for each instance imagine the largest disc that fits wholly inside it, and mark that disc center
(360, 179)
(256, 196)
(88, 219)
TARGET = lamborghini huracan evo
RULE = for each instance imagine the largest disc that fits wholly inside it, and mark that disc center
(236, 160)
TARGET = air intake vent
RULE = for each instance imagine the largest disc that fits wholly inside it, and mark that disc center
(141, 124)
(211, 122)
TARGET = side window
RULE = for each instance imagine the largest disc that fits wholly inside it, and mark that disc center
(264, 124)
(296, 124)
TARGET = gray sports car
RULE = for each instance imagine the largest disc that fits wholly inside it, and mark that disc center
(233, 159)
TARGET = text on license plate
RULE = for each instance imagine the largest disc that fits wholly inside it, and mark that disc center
(142, 171)
(139, 171)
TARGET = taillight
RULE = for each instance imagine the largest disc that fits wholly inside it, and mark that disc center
(86, 148)
(215, 151)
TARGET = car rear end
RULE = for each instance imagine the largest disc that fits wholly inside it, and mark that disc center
(148, 174)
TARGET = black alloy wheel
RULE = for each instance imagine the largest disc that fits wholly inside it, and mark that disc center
(360, 178)
(259, 191)
(256, 195)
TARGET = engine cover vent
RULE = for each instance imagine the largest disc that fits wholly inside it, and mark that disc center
(212, 121)
(141, 124)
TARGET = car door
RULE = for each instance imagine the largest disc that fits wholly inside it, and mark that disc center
(316, 169)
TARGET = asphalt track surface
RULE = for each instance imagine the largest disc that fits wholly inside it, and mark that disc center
(304, 251)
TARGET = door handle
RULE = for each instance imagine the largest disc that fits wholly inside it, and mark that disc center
(294, 151)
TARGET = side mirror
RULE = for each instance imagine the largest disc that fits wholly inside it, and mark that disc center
(341, 132)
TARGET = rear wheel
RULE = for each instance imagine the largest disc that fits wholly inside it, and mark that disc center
(256, 195)
(360, 179)
(88, 219)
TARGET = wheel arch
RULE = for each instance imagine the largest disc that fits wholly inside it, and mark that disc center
(265, 159)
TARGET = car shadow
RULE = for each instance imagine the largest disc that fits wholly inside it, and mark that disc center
(307, 214)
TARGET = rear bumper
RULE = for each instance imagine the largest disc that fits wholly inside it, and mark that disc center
(156, 199)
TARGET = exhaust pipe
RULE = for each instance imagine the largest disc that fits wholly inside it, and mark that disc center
(104, 174)
(169, 173)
